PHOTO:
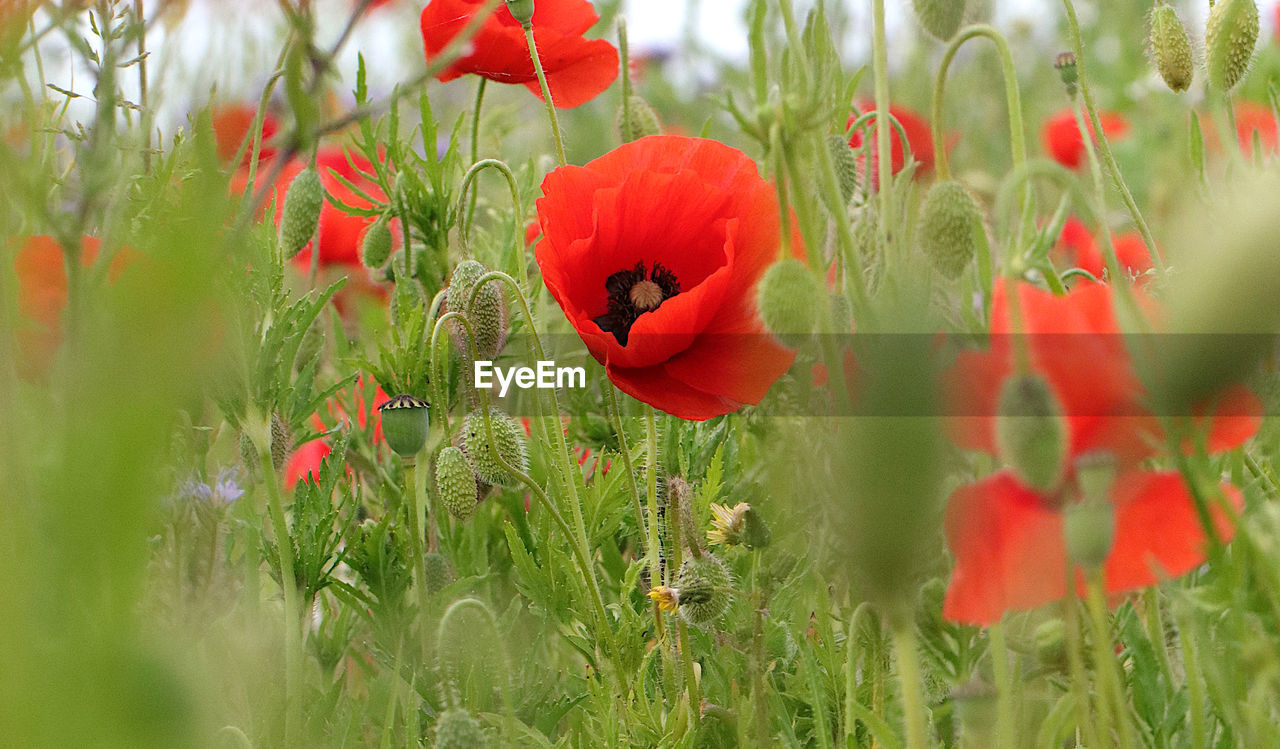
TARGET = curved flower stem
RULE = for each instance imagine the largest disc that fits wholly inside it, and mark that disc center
(288, 589)
(475, 138)
(1104, 147)
(844, 232)
(884, 151)
(464, 228)
(1004, 688)
(904, 644)
(1013, 101)
(546, 92)
(1105, 665)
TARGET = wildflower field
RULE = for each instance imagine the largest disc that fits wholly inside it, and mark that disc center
(469, 376)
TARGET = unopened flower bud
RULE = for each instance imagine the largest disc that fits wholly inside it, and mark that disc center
(638, 119)
(947, 222)
(1229, 39)
(1090, 528)
(1170, 48)
(703, 583)
(508, 438)
(1051, 643)
(301, 215)
(1031, 433)
(521, 10)
(438, 571)
(755, 534)
(375, 249)
(846, 165)
(941, 18)
(1066, 65)
(786, 297)
(405, 422)
(458, 730)
(281, 444)
(456, 483)
(488, 317)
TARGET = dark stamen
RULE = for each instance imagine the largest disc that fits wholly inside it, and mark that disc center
(632, 293)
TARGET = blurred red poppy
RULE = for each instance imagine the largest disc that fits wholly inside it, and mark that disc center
(1007, 537)
(231, 124)
(304, 462)
(653, 252)
(42, 295)
(1250, 117)
(577, 69)
(1062, 138)
(914, 126)
(1078, 249)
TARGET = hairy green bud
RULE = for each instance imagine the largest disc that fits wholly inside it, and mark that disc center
(458, 730)
(1170, 48)
(488, 317)
(1031, 434)
(643, 121)
(787, 297)
(1229, 39)
(375, 248)
(456, 483)
(947, 222)
(941, 18)
(301, 216)
(509, 439)
(703, 584)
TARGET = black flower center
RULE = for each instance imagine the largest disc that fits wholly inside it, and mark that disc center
(632, 293)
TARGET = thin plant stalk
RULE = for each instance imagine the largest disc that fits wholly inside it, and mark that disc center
(909, 675)
(1004, 688)
(546, 92)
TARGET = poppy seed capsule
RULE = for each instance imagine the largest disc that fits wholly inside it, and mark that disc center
(301, 216)
(375, 249)
(941, 18)
(1229, 39)
(456, 483)
(1090, 528)
(643, 120)
(1031, 434)
(458, 730)
(947, 222)
(521, 10)
(405, 422)
(488, 317)
(846, 165)
(786, 297)
(703, 583)
(1170, 48)
(507, 437)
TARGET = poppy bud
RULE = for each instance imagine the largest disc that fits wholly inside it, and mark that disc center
(1066, 66)
(786, 298)
(1229, 39)
(1031, 434)
(301, 216)
(458, 730)
(1090, 528)
(405, 421)
(1170, 48)
(643, 120)
(521, 10)
(375, 249)
(508, 437)
(280, 444)
(941, 18)
(456, 483)
(1051, 643)
(703, 585)
(947, 222)
(488, 317)
(439, 572)
(846, 164)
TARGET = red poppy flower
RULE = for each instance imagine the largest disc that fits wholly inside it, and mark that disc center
(304, 462)
(42, 295)
(340, 232)
(653, 252)
(1062, 138)
(1007, 538)
(577, 69)
(1250, 117)
(231, 124)
(919, 138)
(1079, 249)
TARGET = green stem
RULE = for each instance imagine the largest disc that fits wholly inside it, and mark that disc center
(288, 588)
(675, 554)
(464, 228)
(475, 139)
(759, 698)
(414, 507)
(1195, 681)
(904, 644)
(546, 93)
(624, 50)
(1111, 704)
(1075, 663)
(884, 151)
(1104, 146)
(1004, 687)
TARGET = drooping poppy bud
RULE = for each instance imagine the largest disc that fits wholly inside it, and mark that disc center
(508, 438)
(703, 585)
(1031, 434)
(1051, 643)
(638, 119)
(281, 443)
(786, 297)
(1229, 39)
(846, 165)
(941, 18)
(301, 215)
(405, 422)
(488, 318)
(458, 730)
(456, 483)
(375, 249)
(947, 221)
(1170, 48)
